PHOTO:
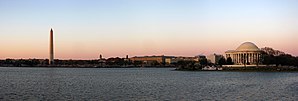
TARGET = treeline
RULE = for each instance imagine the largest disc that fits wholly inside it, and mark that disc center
(44, 62)
(22, 62)
(110, 62)
(280, 60)
(191, 65)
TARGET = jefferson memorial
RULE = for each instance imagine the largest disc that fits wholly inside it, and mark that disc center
(247, 53)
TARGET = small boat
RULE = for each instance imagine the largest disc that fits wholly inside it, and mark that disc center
(211, 68)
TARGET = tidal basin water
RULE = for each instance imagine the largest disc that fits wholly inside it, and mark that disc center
(144, 84)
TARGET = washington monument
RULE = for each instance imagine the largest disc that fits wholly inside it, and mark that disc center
(51, 60)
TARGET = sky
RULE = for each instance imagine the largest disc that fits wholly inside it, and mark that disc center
(84, 29)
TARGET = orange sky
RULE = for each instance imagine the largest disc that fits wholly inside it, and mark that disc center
(83, 30)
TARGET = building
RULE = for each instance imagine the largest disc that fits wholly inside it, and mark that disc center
(51, 58)
(214, 58)
(200, 57)
(171, 60)
(247, 53)
(151, 59)
(180, 58)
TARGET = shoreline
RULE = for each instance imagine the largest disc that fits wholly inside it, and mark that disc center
(224, 69)
(82, 67)
(248, 69)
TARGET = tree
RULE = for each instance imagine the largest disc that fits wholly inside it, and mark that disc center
(296, 61)
(154, 63)
(190, 65)
(269, 59)
(203, 61)
(221, 61)
(229, 61)
(137, 63)
(285, 60)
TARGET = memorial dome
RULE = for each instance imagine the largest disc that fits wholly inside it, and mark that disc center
(248, 46)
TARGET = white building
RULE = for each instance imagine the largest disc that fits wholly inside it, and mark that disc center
(214, 58)
(180, 58)
(247, 53)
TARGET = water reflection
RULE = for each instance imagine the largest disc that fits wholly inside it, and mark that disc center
(144, 84)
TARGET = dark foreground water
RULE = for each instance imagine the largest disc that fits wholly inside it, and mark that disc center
(144, 84)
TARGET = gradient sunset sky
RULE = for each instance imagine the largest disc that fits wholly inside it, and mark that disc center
(83, 29)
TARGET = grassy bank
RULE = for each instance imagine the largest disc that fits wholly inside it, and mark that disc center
(248, 69)
(262, 69)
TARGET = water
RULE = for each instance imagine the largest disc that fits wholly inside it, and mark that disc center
(144, 84)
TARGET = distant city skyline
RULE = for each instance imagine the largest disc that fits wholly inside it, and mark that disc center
(116, 28)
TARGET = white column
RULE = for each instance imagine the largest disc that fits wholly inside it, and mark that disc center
(245, 58)
(241, 56)
(238, 57)
(251, 58)
(255, 58)
(233, 58)
(248, 57)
